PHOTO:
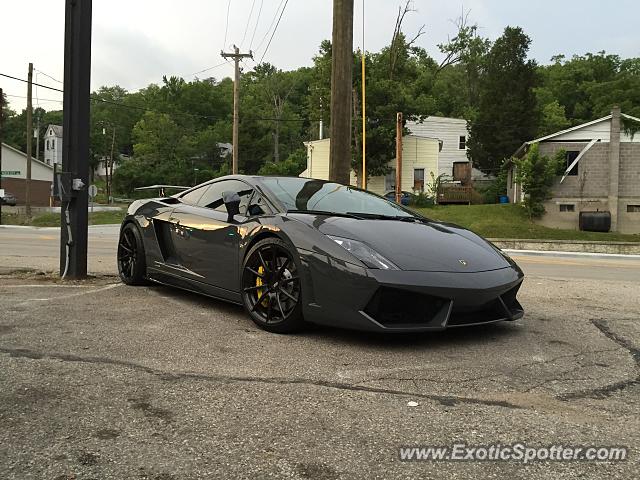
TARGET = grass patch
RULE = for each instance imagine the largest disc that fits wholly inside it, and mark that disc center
(51, 219)
(511, 221)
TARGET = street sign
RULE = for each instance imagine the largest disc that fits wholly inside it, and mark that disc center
(8, 173)
(93, 191)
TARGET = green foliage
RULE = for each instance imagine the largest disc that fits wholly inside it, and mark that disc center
(511, 221)
(421, 200)
(293, 166)
(536, 174)
(499, 186)
(171, 132)
(630, 126)
(507, 112)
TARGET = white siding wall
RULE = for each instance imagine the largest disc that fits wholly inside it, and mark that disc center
(53, 154)
(417, 152)
(15, 161)
(449, 131)
(318, 159)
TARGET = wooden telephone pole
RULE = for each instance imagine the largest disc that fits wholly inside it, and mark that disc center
(399, 157)
(27, 184)
(237, 56)
(341, 91)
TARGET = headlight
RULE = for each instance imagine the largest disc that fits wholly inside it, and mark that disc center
(364, 253)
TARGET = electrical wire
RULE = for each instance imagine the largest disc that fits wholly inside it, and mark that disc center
(257, 22)
(246, 28)
(49, 76)
(273, 21)
(226, 28)
(274, 31)
(208, 68)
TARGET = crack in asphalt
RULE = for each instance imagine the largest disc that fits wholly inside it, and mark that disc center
(607, 390)
(444, 400)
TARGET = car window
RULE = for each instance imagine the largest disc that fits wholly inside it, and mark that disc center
(212, 197)
(308, 195)
(193, 196)
(258, 206)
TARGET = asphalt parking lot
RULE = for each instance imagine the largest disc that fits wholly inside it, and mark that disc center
(100, 380)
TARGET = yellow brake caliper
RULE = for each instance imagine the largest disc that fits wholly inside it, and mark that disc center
(259, 283)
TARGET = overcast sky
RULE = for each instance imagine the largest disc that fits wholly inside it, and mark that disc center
(135, 42)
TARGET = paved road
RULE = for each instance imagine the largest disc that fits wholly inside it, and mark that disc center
(39, 248)
(100, 380)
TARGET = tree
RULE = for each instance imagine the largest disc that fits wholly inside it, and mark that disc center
(507, 111)
(536, 174)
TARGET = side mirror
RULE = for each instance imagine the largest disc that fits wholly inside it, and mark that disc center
(232, 203)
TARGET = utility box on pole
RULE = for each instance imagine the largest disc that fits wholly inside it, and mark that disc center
(71, 184)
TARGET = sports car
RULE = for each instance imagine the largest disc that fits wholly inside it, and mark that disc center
(294, 250)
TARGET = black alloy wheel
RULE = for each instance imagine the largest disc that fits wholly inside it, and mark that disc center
(131, 260)
(271, 290)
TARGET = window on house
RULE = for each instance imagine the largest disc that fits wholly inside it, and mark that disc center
(571, 156)
(633, 208)
(53, 144)
(47, 144)
(462, 142)
(418, 179)
(567, 207)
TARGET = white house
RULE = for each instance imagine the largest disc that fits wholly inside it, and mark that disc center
(453, 134)
(53, 145)
(14, 173)
(419, 159)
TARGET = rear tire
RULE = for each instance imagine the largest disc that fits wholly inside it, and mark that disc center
(270, 287)
(132, 266)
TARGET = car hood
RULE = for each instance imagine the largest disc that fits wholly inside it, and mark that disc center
(424, 246)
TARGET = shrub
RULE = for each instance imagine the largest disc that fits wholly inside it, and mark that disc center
(536, 174)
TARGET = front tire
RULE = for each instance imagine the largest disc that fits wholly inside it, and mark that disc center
(132, 266)
(271, 289)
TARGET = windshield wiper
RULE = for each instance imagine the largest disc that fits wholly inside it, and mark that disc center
(356, 216)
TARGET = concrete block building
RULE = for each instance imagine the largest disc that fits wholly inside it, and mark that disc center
(602, 173)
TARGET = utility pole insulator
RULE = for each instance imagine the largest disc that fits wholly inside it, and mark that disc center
(236, 56)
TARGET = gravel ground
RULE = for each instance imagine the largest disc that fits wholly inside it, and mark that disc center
(103, 381)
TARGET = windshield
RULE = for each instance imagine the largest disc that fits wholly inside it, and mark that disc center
(304, 194)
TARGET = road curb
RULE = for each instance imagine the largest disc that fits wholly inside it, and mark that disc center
(30, 227)
(569, 246)
(551, 253)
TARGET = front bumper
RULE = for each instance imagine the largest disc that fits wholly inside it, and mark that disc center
(349, 296)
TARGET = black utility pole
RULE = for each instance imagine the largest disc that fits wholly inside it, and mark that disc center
(237, 56)
(341, 91)
(73, 181)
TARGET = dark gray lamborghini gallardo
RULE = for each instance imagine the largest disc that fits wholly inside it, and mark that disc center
(295, 250)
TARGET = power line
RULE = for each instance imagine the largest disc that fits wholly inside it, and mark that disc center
(25, 81)
(246, 28)
(170, 114)
(274, 31)
(257, 21)
(226, 28)
(208, 68)
(266, 34)
(49, 76)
